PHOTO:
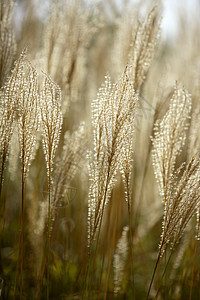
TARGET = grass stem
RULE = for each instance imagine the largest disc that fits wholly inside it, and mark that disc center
(193, 268)
(49, 226)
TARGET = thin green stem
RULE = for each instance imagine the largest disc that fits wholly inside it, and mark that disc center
(131, 245)
(107, 243)
(4, 201)
(112, 247)
(49, 226)
(22, 235)
(94, 258)
(84, 295)
(154, 272)
(99, 229)
(2, 167)
(165, 270)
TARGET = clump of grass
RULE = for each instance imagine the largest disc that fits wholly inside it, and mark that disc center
(67, 164)
(112, 120)
(51, 121)
(27, 121)
(7, 111)
(119, 260)
(169, 138)
(76, 45)
(142, 49)
(113, 115)
(180, 196)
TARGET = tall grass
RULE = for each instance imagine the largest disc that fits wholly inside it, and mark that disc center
(99, 154)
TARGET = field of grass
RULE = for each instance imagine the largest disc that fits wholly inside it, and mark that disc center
(99, 152)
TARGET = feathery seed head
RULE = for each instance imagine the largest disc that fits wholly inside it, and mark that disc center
(27, 113)
(120, 259)
(51, 120)
(180, 196)
(169, 137)
(113, 115)
(8, 106)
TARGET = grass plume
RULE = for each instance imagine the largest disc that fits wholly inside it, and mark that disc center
(51, 121)
(112, 119)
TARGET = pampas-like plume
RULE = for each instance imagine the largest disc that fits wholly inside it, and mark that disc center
(127, 163)
(51, 120)
(27, 112)
(68, 32)
(70, 160)
(13, 154)
(181, 204)
(7, 111)
(194, 147)
(27, 121)
(169, 138)
(67, 164)
(7, 39)
(144, 42)
(180, 196)
(112, 119)
(194, 138)
(119, 259)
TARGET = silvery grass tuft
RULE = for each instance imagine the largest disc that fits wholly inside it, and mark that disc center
(113, 115)
(67, 164)
(142, 49)
(27, 123)
(169, 138)
(8, 106)
(51, 121)
(180, 194)
(194, 148)
(27, 114)
(68, 33)
(136, 42)
(119, 259)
